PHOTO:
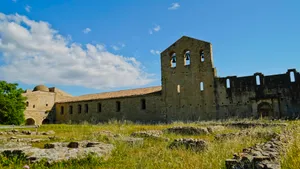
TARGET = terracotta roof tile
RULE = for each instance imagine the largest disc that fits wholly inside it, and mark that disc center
(116, 94)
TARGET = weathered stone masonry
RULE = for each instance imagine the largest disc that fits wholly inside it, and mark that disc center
(191, 90)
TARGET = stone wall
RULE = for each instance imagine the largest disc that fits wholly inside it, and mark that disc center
(40, 104)
(130, 109)
(190, 103)
(181, 96)
(245, 97)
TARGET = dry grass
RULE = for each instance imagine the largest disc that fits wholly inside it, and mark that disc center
(153, 153)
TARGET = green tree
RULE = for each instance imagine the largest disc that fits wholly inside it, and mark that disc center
(12, 104)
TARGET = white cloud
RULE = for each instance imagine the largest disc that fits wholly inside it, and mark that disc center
(14, 1)
(28, 8)
(174, 6)
(154, 52)
(33, 52)
(156, 28)
(86, 30)
(118, 46)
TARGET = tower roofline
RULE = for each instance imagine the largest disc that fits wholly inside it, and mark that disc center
(183, 38)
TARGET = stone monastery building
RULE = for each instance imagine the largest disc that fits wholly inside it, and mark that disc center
(190, 90)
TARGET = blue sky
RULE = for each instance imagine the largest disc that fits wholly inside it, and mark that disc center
(125, 38)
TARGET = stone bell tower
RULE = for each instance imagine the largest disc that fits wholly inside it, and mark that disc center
(188, 80)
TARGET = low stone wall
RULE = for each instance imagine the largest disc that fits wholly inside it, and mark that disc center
(251, 124)
(226, 136)
(261, 156)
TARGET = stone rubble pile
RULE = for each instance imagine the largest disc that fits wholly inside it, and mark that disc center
(261, 156)
(55, 152)
(191, 144)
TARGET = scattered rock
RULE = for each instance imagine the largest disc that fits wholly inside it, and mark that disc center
(187, 130)
(26, 132)
(193, 144)
(55, 152)
(73, 145)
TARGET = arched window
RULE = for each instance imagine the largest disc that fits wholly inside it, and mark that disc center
(292, 76)
(228, 83)
(173, 60)
(27, 104)
(257, 80)
(187, 58)
(202, 56)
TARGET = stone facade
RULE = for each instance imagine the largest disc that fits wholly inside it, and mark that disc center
(191, 90)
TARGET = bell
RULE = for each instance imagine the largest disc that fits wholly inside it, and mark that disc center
(187, 56)
(173, 60)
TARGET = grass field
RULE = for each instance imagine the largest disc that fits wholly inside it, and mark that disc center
(154, 153)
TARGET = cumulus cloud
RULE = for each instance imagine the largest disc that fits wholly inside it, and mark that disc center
(32, 52)
(86, 30)
(28, 8)
(174, 6)
(154, 52)
(156, 28)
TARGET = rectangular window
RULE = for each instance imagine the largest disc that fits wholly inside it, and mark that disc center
(178, 88)
(257, 80)
(71, 109)
(79, 108)
(86, 108)
(292, 76)
(143, 104)
(62, 110)
(201, 86)
(228, 83)
(99, 107)
(118, 106)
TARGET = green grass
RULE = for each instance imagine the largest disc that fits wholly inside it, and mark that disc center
(154, 153)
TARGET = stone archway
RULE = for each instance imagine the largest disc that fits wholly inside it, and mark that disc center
(264, 109)
(46, 121)
(30, 121)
